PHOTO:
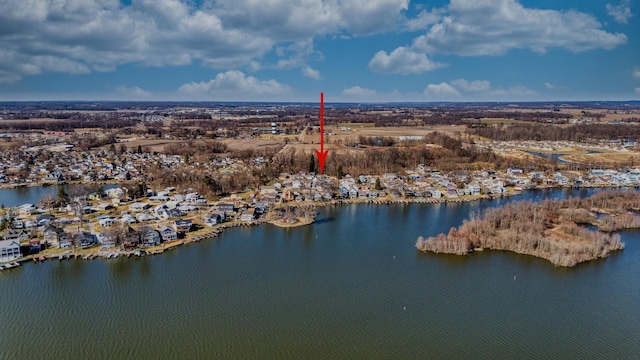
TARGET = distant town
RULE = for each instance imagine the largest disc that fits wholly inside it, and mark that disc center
(135, 179)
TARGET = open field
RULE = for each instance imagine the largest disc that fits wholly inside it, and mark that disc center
(606, 159)
(244, 144)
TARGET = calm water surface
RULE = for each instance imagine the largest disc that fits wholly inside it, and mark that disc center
(351, 286)
(33, 194)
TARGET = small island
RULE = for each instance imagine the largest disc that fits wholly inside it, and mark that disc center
(555, 230)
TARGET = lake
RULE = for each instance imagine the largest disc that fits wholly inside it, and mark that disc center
(351, 286)
(33, 194)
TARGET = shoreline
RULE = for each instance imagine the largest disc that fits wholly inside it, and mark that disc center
(110, 253)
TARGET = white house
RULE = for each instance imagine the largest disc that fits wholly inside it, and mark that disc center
(9, 250)
(167, 233)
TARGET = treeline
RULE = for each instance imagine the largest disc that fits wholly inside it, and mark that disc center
(193, 147)
(77, 121)
(577, 133)
(549, 230)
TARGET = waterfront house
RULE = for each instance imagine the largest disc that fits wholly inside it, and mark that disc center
(149, 236)
(167, 233)
(55, 236)
(9, 250)
(107, 239)
(248, 215)
(86, 238)
(212, 220)
(35, 246)
(181, 225)
(131, 238)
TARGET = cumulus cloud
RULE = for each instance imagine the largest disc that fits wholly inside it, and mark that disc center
(403, 61)
(472, 86)
(477, 90)
(73, 36)
(441, 91)
(636, 74)
(232, 85)
(495, 27)
(311, 73)
(302, 19)
(621, 12)
(424, 19)
(134, 93)
(480, 28)
(358, 92)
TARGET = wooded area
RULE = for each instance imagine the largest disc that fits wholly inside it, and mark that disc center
(553, 230)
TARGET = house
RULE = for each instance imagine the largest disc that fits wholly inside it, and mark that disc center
(212, 220)
(149, 236)
(9, 250)
(16, 235)
(181, 225)
(139, 206)
(144, 217)
(167, 233)
(248, 215)
(27, 209)
(86, 238)
(226, 207)
(131, 238)
(105, 222)
(56, 236)
(115, 193)
(35, 246)
(219, 214)
(107, 239)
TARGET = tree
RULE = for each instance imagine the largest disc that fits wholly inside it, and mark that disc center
(377, 186)
(340, 172)
(312, 164)
(48, 202)
(62, 195)
(139, 149)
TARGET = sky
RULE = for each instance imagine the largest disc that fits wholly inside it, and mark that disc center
(352, 50)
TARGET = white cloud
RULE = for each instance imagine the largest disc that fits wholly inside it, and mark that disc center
(74, 36)
(621, 12)
(233, 85)
(494, 27)
(549, 86)
(402, 61)
(359, 93)
(134, 93)
(424, 19)
(637, 90)
(295, 20)
(472, 86)
(636, 74)
(442, 91)
(311, 73)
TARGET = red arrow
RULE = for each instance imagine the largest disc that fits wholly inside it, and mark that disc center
(322, 153)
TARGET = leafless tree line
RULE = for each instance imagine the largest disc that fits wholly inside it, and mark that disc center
(548, 229)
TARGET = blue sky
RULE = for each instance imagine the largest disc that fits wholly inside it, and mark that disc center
(353, 50)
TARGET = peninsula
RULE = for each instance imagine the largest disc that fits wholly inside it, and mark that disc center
(554, 230)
